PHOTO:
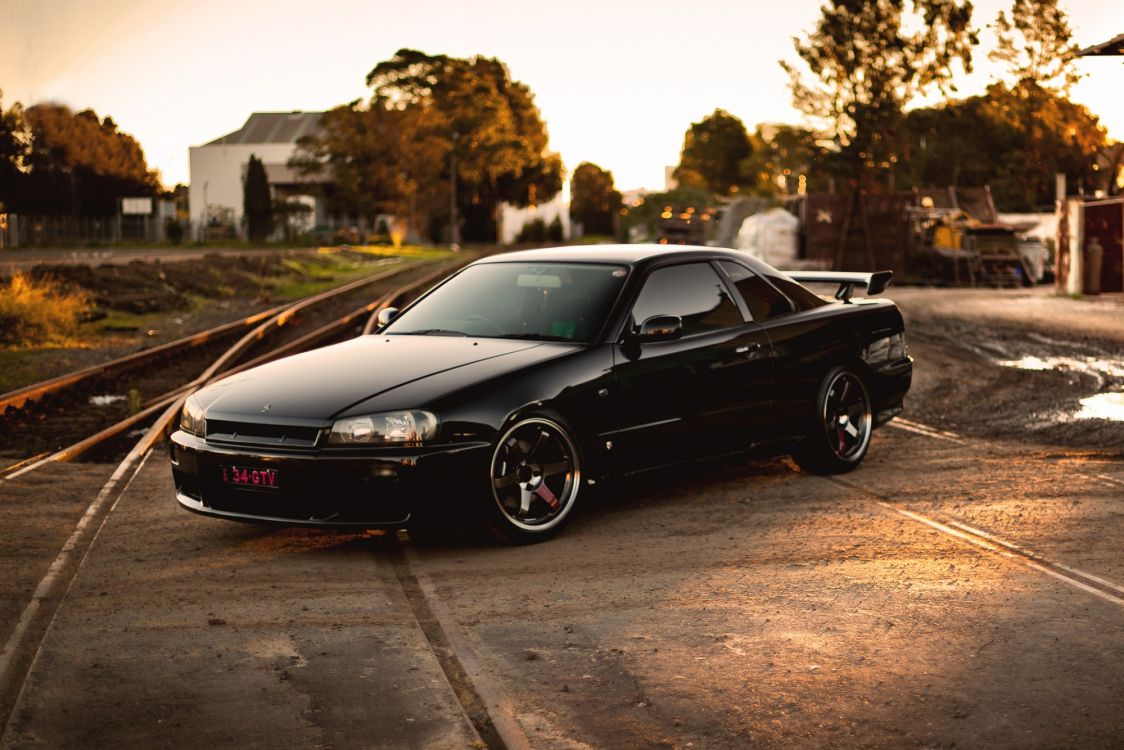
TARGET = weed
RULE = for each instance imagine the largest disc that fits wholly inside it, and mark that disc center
(134, 397)
(38, 312)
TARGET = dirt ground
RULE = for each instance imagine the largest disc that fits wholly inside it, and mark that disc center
(958, 336)
(724, 604)
(138, 304)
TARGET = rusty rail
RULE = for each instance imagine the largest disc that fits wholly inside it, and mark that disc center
(171, 403)
(20, 397)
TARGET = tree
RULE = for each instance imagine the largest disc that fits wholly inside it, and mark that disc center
(1036, 48)
(71, 163)
(868, 60)
(14, 149)
(782, 155)
(394, 153)
(257, 205)
(713, 150)
(1036, 44)
(985, 140)
(594, 201)
(378, 160)
(488, 119)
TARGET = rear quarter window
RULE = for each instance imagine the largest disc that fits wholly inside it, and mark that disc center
(804, 299)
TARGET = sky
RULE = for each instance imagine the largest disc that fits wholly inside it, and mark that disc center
(618, 83)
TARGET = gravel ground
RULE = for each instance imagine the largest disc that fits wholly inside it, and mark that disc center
(718, 605)
(958, 336)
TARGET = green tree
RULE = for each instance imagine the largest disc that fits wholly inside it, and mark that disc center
(713, 151)
(594, 200)
(257, 205)
(868, 59)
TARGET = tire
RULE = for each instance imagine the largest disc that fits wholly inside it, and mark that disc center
(534, 479)
(838, 433)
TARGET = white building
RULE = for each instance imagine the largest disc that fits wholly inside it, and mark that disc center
(218, 169)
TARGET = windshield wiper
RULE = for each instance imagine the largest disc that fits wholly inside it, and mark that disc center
(533, 337)
(432, 332)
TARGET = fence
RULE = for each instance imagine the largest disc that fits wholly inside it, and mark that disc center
(22, 230)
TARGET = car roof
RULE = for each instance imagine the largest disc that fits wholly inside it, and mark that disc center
(623, 254)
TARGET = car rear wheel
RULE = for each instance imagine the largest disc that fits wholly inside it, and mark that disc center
(839, 434)
(535, 477)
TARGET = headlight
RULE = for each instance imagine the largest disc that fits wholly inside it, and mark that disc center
(390, 428)
(192, 419)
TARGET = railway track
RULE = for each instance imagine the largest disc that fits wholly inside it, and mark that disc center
(50, 418)
(491, 718)
(485, 707)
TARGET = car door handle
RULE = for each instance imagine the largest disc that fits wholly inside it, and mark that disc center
(748, 348)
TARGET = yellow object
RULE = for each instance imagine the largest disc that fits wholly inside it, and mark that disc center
(946, 236)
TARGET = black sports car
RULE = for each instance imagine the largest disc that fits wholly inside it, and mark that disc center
(525, 376)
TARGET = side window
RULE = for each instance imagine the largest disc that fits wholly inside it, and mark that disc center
(692, 291)
(760, 297)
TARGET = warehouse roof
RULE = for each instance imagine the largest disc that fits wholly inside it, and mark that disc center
(1114, 46)
(272, 127)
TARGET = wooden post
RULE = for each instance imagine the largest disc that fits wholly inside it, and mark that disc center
(1075, 218)
(1061, 236)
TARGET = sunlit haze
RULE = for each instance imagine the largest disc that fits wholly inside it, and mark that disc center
(617, 83)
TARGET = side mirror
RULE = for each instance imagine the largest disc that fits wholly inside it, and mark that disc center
(659, 328)
(386, 315)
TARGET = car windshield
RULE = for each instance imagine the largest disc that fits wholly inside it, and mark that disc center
(532, 301)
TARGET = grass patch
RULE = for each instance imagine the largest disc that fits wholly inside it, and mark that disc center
(405, 251)
(118, 321)
(38, 312)
(315, 274)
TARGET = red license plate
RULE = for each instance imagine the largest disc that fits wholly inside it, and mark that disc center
(244, 477)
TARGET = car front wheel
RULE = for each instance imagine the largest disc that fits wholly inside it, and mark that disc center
(535, 477)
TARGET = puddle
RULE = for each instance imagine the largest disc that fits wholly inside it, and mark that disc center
(105, 400)
(1107, 373)
(1104, 370)
(1102, 406)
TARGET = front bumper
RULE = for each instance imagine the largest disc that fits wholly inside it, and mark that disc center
(381, 487)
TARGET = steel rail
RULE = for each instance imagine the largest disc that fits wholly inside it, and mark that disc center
(1079, 579)
(23, 647)
(18, 398)
(397, 294)
(224, 361)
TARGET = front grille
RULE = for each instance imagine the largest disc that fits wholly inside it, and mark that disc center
(253, 433)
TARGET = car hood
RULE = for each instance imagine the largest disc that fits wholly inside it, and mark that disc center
(316, 386)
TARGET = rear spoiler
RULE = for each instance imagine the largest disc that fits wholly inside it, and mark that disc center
(875, 281)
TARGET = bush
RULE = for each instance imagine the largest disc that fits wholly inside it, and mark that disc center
(38, 312)
(533, 231)
(173, 230)
(554, 233)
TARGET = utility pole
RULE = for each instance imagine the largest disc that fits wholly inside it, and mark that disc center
(454, 225)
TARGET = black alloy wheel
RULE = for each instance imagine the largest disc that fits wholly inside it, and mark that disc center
(840, 436)
(846, 416)
(535, 478)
